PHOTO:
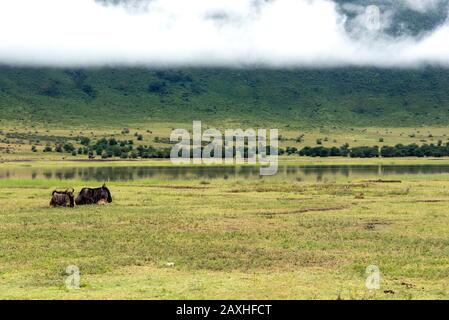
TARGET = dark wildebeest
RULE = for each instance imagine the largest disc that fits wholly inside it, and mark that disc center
(93, 196)
(63, 198)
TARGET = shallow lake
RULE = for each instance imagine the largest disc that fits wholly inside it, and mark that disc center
(300, 173)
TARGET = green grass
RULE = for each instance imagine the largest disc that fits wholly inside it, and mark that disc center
(20, 149)
(240, 239)
(297, 99)
(227, 239)
(283, 160)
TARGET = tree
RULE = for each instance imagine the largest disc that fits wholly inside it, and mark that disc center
(124, 155)
(85, 141)
(68, 147)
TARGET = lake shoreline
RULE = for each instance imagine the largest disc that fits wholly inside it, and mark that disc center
(283, 161)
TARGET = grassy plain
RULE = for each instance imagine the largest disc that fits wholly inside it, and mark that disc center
(228, 239)
(224, 239)
(234, 238)
(156, 135)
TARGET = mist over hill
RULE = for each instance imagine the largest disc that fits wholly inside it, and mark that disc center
(341, 97)
(290, 63)
(225, 33)
(398, 17)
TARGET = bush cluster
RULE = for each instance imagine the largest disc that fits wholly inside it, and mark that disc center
(397, 151)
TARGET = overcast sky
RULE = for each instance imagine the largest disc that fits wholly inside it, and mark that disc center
(278, 33)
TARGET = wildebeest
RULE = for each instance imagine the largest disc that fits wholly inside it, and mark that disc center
(63, 198)
(102, 202)
(93, 196)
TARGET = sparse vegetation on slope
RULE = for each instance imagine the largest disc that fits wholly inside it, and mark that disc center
(295, 98)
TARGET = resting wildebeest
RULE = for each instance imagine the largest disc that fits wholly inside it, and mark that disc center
(93, 196)
(63, 198)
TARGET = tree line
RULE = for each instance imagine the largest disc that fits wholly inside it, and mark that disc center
(397, 151)
(110, 148)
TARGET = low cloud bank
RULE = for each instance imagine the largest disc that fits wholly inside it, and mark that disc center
(274, 33)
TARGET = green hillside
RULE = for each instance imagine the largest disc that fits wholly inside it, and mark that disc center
(299, 98)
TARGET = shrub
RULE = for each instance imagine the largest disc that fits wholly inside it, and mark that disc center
(291, 150)
(124, 155)
(85, 141)
(159, 87)
(364, 152)
(89, 90)
(50, 88)
(68, 147)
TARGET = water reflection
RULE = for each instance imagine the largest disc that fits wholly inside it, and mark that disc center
(300, 173)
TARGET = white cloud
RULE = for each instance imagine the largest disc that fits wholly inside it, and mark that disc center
(201, 32)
